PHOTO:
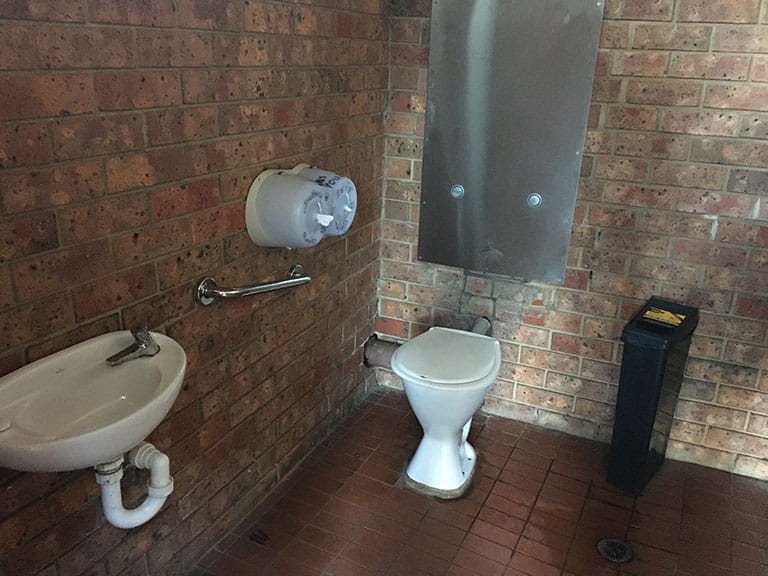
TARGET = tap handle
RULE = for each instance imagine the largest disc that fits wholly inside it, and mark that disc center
(141, 333)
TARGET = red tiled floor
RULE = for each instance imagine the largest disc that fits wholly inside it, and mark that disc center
(538, 505)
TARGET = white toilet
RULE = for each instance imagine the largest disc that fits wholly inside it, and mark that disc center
(446, 374)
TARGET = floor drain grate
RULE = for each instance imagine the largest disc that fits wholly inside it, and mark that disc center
(615, 550)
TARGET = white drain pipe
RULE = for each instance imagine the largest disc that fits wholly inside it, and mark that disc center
(159, 486)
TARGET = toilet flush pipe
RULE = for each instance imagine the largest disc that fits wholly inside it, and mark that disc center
(482, 326)
(378, 352)
(159, 486)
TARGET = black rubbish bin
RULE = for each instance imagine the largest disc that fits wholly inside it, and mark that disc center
(656, 342)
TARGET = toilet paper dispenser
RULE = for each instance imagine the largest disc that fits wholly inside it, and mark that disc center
(297, 208)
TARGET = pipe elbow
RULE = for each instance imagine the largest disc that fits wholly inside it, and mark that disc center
(159, 486)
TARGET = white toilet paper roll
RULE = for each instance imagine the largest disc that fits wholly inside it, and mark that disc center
(342, 199)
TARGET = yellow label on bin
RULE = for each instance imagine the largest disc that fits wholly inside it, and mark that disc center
(663, 316)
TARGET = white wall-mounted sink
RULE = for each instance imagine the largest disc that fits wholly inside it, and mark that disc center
(71, 410)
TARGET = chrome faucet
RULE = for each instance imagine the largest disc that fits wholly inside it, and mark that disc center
(144, 345)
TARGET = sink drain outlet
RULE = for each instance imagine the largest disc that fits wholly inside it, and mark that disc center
(615, 550)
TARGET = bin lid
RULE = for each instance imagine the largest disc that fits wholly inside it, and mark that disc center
(660, 323)
(446, 356)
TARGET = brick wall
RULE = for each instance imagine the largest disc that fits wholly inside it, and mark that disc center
(129, 134)
(673, 201)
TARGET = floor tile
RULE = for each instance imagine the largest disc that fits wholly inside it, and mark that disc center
(538, 505)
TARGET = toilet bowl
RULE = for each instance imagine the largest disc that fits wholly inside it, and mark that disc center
(446, 374)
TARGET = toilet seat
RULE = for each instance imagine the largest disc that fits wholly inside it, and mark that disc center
(445, 358)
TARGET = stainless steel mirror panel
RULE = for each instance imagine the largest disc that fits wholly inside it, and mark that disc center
(510, 84)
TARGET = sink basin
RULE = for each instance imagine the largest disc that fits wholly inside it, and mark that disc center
(71, 410)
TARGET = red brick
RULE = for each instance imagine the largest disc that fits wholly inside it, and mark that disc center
(748, 181)
(726, 151)
(717, 203)
(740, 38)
(633, 242)
(47, 274)
(184, 162)
(598, 142)
(407, 102)
(128, 90)
(46, 95)
(114, 291)
(292, 113)
(646, 145)
(404, 30)
(242, 50)
(600, 412)
(613, 284)
(224, 220)
(732, 328)
(606, 89)
(664, 269)
(611, 217)
(752, 307)
(759, 69)
(701, 122)
(709, 253)
(212, 14)
(664, 92)
(737, 97)
(17, 44)
(81, 137)
(403, 55)
(743, 233)
(130, 171)
(30, 322)
(604, 260)
(587, 347)
(638, 63)
(715, 67)
(58, 10)
(214, 85)
(687, 174)
(189, 265)
(143, 12)
(92, 47)
(77, 334)
(104, 217)
(181, 124)
(191, 197)
(550, 361)
(267, 18)
(710, 300)
(579, 387)
(746, 354)
(24, 145)
(631, 118)
(736, 11)
(614, 35)
(632, 169)
(673, 36)
(34, 190)
(676, 224)
(27, 235)
(601, 371)
(173, 48)
(391, 327)
(656, 10)
(150, 242)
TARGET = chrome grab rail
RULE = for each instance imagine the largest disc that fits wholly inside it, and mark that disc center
(207, 292)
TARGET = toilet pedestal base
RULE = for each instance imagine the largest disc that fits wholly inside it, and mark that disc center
(439, 493)
(443, 464)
